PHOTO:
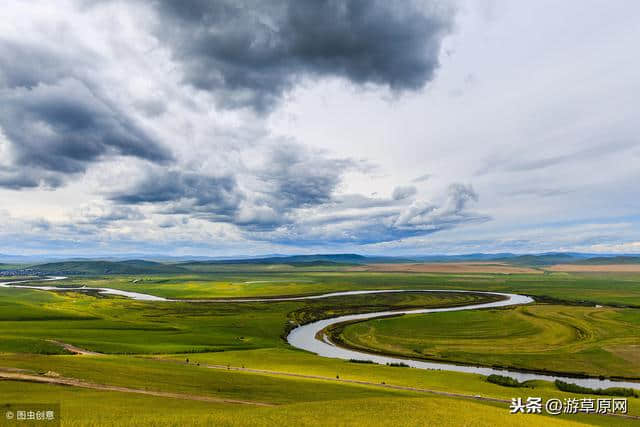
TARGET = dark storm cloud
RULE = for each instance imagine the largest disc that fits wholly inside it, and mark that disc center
(16, 178)
(292, 177)
(64, 126)
(57, 122)
(248, 53)
(296, 202)
(178, 192)
(298, 177)
(27, 65)
(62, 111)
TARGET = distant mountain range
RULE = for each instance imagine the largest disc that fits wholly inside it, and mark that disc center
(106, 267)
(318, 259)
(190, 264)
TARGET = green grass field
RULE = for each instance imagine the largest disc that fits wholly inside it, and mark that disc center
(147, 344)
(121, 326)
(95, 408)
(621, 289)
(575, 340)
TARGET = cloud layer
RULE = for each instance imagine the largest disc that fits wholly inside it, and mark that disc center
(85, 97)
(55, 121)
(286, 125)
(250, 53)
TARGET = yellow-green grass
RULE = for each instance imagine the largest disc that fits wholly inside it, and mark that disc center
(251, 335)
(299, 362)
(116, 325)
(80, 407)
(593, 288)
(162, 376)
(337, 306)
(103, 324)
(294, 396)
(578, 340)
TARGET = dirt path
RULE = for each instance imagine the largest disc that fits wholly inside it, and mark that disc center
(75, 350)
(18, 375)
(15, 376)
(82, 351)
(389, 386)
(360, 382)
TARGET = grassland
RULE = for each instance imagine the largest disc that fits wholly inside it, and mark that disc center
(575, 340)
(146, 345)
(120, 326)
(449, 267)
(622, 289)
(616, 268)
(95, 408)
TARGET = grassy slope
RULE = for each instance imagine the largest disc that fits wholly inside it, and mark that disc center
(305, 398)
(111, 325)
(298, 362)
(95, 408)
(250, 335)
(594, 341)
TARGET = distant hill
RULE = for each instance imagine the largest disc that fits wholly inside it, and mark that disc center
(541, 259)
(306, 260)
(569, 258)
(144, 266)
(462, 258)
(627, 259)
(108, 267)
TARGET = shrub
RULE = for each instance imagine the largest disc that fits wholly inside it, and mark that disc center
(505, 381)
(398, 365)
(611, 391)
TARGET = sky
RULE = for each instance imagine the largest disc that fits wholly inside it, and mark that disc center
(300, 126)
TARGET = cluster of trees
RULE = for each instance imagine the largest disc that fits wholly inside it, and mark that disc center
(506, 381)
(398, 365)
(611, 391)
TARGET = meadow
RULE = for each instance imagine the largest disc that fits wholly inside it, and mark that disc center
(567, 339)
(236, 350)
(617, 289)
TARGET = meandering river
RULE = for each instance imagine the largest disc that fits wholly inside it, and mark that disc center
(305, 337)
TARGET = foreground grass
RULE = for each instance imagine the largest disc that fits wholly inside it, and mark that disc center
(189, 379)
(577, 340)
(94, 408)
(299, 362)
